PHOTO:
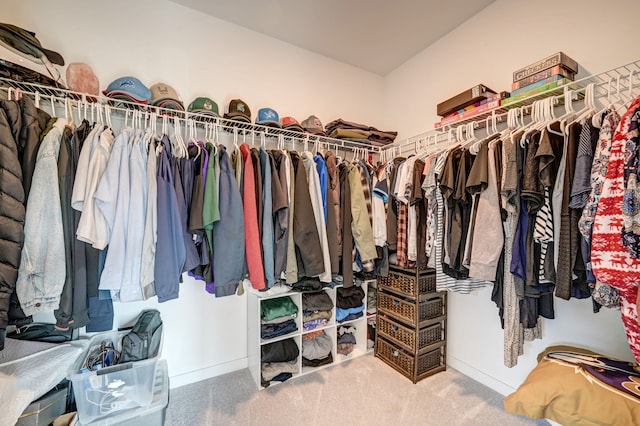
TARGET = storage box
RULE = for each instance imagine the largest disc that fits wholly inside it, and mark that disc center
(415, 341)
(466, 98)
(409, 312)
(559, 58)
(411, 283)
(112, 389)
(152, 414)
(414, 367)
(45, 409)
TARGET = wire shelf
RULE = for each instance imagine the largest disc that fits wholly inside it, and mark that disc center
(615, 80)
(54, 95)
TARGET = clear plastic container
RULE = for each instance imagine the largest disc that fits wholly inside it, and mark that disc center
(109, 390)
(152, 414)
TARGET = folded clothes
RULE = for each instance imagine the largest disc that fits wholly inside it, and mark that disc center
(341, 314)
(278, 307)
(280, 351)
(317, 362)
(308, 316)
(270, 331)
(317, 347)
(279, 320)
(272, 369)
(279, 378)
(318, 301)
(345, 348)
(358, 130)
(313, 324)
(349, 297)
(351, 317)
(347, 338)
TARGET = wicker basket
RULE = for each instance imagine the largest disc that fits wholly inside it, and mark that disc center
(412, 340)
(411, 313)
(413, 367)
(409, 283)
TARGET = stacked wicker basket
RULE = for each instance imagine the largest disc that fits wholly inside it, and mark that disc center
(411, 323)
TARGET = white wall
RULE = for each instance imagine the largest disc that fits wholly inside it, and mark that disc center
(486, 49)
(156, 40)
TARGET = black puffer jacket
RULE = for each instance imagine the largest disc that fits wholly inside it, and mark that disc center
(12, 208)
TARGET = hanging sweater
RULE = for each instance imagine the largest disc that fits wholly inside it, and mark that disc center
(611, 261)
(252, 234)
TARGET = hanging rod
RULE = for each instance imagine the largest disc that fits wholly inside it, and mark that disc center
(78, 100)
(619, 79)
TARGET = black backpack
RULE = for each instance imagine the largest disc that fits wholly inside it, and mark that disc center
(143, 341)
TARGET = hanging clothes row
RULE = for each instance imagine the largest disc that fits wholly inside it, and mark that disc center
(516, 210)
(128, 212)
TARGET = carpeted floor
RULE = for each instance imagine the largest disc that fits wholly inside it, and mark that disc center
(363, 391)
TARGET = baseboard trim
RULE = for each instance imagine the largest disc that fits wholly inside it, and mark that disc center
(206, 373)
(480, 376)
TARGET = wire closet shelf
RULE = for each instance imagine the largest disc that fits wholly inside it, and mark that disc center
(604, 84)
(80, 101)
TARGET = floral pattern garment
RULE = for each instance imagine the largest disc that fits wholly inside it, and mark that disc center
(598, 172)
(610, 259)
(631, 200)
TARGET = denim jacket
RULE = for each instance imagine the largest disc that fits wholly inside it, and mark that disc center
(42, 265)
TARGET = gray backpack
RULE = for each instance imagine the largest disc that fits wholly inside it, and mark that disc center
(144, 339)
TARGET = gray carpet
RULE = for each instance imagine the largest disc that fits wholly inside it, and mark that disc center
(363, 391)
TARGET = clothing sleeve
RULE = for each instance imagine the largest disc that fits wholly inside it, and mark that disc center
(108, 187)
(361, 227)
(42, 266)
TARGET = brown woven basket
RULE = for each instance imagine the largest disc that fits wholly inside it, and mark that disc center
(409, 284)
(411, 340)
(409, 312)
(412, 367)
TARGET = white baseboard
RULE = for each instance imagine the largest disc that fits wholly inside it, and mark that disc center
(207, 373)
(479, 376)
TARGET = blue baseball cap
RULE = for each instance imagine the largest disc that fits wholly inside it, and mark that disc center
(129, 89)
(268, 117)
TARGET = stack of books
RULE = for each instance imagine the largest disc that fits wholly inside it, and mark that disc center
(546, 74)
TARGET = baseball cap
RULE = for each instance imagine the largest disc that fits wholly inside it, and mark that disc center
(313, 125)
(81, 78)
(268, 117)
(239, 110)
(128, 89)
(26, 42)
(203, 105)
(165, 96)
(292, 124)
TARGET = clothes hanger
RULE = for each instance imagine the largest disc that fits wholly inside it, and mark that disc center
(69, 108)
(180, 147)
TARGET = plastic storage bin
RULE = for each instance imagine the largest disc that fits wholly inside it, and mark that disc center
(152, 414)
(112, 389)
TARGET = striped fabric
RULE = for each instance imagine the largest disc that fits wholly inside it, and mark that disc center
(543, 232)
(444, 281)
(367, 191)
(403, 216)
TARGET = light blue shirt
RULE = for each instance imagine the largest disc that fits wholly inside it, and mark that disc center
(113, 197)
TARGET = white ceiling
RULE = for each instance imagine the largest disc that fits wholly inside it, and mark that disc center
(375, 35)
